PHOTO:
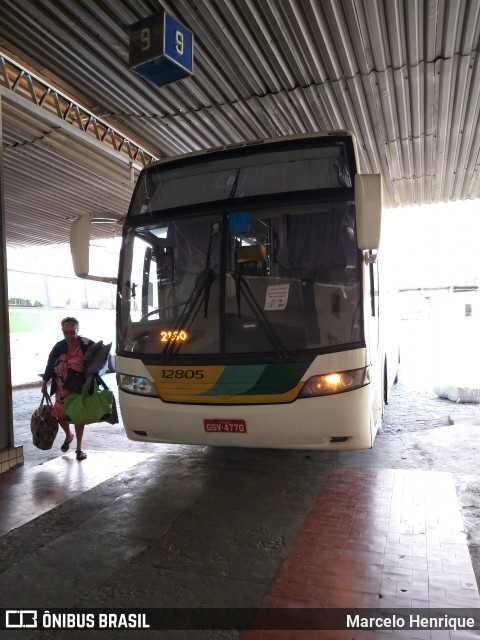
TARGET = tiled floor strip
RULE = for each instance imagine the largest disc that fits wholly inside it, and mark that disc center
(377, 538)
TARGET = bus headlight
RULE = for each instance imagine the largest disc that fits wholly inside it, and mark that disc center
(136, 384)
(330, 383)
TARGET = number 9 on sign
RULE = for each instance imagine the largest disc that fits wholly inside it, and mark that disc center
(179, 42)
(145, 39)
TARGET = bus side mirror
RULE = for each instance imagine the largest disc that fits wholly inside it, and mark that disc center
(368, 206)
(80, 249)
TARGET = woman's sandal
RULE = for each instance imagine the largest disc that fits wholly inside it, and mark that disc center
(66, 445)
(81, 455)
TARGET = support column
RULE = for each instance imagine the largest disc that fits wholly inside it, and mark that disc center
(10, 456)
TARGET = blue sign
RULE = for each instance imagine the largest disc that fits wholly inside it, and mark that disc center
(161, 49)
(178, 43)
(239, 222)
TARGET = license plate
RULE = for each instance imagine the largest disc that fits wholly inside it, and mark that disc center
(225, 426)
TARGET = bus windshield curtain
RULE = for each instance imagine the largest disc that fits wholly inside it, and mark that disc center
(309, 243)
(162, 190)
(193, 242)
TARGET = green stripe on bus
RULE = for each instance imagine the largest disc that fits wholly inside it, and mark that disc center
(280, 378)
(271, 379)
(236, 380)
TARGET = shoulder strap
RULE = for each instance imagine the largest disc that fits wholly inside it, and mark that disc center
(88, 385)
(100, 381)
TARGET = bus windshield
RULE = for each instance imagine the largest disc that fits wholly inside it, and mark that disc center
(263, 282)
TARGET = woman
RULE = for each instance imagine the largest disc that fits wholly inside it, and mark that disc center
(66, 354)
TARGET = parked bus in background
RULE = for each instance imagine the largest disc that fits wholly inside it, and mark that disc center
(36, 304)
(248, 306)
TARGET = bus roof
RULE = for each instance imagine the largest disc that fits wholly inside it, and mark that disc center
(240, 146)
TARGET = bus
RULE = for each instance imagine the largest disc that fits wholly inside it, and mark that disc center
(248, 307)
(37, 302)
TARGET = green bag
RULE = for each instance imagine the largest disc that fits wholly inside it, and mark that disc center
(91, 405)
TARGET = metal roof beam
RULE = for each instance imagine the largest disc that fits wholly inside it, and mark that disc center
(35, 94)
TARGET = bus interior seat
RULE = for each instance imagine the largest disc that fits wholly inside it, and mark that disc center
(289, 322)
(251, 263)
(252, 260)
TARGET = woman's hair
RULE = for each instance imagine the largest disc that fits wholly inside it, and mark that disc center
(72, 320)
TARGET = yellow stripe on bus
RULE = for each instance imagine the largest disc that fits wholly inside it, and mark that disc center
(183, 384)
(277, 398)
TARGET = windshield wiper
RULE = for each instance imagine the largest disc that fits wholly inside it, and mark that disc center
(243, 288)
(200, 293)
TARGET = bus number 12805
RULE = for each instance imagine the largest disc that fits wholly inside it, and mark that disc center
(185, 374)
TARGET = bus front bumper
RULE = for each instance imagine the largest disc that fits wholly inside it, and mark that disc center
(341, 421)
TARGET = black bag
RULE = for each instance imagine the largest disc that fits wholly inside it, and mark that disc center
(44, 425)
(96, 357)
(113, 417)
(74, 381)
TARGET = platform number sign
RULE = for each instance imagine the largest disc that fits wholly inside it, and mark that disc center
(161, 49)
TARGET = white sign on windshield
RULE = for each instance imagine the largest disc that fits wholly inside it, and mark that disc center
(276, 297)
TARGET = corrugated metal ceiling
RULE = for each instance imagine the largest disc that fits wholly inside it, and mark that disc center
(50, 178)
(403, 75)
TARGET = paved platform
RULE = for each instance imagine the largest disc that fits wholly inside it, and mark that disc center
(26, 494)
(171, 527)
(232, 528)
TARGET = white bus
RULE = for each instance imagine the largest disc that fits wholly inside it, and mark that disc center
(248, 306)
(37, 302)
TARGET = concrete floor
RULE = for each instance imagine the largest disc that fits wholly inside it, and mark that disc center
(177, 526)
